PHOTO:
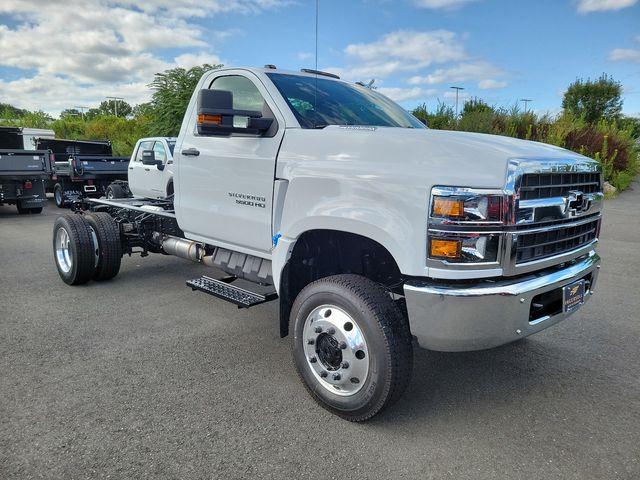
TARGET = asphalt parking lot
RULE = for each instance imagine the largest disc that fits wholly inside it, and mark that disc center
(142, 378)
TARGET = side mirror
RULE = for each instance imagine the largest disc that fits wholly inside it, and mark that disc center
(422, 121)
(149, 158)
(216, 115)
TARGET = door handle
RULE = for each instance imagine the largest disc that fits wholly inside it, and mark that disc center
(192, 152)
(130, 168)
(147, 170)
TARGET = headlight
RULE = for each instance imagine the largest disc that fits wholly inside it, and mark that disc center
(453, 212)
(452, 205)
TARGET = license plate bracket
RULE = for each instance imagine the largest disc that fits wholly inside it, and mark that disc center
(573, 296)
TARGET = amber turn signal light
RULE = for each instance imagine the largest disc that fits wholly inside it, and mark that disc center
(448, 207)
(203, 118)
(445, 248)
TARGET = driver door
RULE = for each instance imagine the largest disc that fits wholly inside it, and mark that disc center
(226, 189)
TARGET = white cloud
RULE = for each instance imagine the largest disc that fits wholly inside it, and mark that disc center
(441, 4)
(588, 6)
(490, 83)
(403, 50)
(624, 55)
(463, 72)
(86, 49)
(305, 56)
(399, 94)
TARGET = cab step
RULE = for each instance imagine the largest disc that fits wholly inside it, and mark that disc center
(223, 289)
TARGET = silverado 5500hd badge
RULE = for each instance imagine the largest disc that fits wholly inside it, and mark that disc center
(249, 200)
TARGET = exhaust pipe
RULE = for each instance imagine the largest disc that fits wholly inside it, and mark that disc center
(182, 248)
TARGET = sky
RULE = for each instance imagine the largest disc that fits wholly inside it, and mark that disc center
(57, 54)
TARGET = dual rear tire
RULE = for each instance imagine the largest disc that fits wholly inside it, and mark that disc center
(86, 247)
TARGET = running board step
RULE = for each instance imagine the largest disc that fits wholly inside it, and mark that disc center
(231, 293)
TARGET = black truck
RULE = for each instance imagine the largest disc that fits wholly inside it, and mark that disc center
(82, 168)
(23, 172)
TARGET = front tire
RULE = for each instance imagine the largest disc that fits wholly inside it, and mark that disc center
(115, 190)
(351, 346)
(73, 249)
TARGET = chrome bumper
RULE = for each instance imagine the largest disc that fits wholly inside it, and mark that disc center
(487, 314)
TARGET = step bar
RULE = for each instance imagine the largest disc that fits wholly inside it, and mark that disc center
(223, 289)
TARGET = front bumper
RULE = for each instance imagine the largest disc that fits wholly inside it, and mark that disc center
(455, 317)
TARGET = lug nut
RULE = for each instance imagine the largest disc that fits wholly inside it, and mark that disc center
(311, 341)
(313, 359)
(345, 365)
(343, 345)
(337, 376)
(318, 330)
(323, 374)
(331, 331)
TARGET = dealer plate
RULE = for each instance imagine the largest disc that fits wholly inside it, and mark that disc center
(572, 296)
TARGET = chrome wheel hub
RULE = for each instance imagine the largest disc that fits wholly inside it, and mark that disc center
(336, 350)
(63, 256)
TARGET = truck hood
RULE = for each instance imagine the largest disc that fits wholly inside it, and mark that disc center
(422, 157)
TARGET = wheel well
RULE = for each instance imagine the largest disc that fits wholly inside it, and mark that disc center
(322, 253)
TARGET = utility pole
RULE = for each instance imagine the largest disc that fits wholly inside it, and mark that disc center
(81, 107)
(457, 89)
(525, 101)
(115, 103)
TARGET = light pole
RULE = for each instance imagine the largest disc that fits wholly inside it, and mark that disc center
(81, 107)
(457, 89)
(115, 103)
(525, 101)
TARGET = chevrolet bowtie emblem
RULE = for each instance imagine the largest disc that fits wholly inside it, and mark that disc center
(576, 202)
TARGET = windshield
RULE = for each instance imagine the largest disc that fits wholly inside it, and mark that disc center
(339, 103)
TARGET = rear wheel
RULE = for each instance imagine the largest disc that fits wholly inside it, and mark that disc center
(109, 246)
(351, 345)
(74, 249)
(58, 195)
(36, 210)
(21, 210)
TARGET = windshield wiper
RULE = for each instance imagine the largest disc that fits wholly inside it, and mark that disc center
(320, 125)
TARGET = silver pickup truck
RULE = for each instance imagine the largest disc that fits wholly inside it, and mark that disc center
(370, 229)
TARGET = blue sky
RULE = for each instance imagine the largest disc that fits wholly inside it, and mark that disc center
(59, 54)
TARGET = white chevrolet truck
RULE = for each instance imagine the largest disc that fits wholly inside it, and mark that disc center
(372, 231)
(150, 171)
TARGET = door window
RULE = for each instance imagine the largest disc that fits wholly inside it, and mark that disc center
(159, 151)
(143, 146)
(245, 94)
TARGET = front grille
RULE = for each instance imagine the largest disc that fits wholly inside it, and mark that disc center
(535, 246)
(547, 185)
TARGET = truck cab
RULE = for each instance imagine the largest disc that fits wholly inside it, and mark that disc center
(369, 228)
(150, 173)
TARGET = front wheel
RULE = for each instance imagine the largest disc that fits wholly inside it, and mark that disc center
(115, 190)
(351, 345)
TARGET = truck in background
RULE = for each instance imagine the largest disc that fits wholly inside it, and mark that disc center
(81, 168)
(24, 170)
(150, 170)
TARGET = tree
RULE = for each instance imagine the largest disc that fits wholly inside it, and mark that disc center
(9, 111)
(70, 112)
(172, 90)
(110, 108)
(594, 100)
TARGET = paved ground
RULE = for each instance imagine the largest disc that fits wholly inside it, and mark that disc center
(140, 377)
